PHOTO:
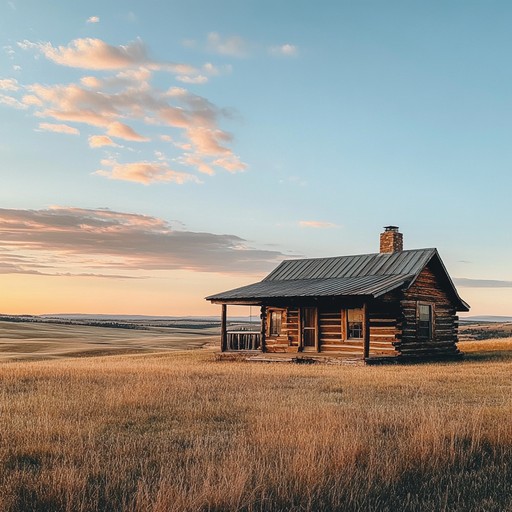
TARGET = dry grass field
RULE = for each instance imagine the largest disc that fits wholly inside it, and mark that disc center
(33, 341)
(180, 431)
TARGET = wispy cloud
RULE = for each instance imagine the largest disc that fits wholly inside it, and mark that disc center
(143, 172)
(119, 102)
(123, 131)
(95, 54)
(197, 79)
(59, 128)
(234, 46)
(284, 50)
(93, 19)
(9, 84)
(317, 224)
(59, 241)
(481, 283)
(99, 141)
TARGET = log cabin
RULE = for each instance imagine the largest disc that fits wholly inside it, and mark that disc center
(393, 304)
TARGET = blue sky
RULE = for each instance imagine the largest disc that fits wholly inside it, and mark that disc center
(155, 153)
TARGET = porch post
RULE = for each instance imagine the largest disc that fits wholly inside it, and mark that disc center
(223, 329)
(366, 332)
(263, 317)
(317, 329)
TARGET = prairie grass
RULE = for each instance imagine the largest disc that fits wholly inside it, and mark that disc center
(183, 432)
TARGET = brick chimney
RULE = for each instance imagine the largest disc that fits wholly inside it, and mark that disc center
(391, 240)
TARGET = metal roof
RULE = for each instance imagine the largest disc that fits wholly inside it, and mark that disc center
(365, 274)
(340, 286)
(380, 264)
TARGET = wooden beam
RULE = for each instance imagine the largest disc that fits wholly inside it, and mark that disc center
(317, 330)
(263, 317)
(299, 323)
(366, 332)
(223, 329)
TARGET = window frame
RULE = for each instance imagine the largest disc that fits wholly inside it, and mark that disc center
(348, 322)
(431, 322)
(345, 325)
(272, 323)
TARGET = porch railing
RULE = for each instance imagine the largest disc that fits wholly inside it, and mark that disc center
(243, 340)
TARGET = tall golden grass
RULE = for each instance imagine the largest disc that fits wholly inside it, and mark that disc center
(183, 432)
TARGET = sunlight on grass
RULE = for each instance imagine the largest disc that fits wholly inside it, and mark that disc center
(181, 431)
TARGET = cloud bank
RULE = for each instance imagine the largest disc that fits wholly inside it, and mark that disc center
(77, 241)
(481, 283)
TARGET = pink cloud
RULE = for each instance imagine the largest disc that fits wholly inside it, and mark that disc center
(99, 141)
(11, 101)
(126, 106)
(89, 53)
(198, 79)
(30, 99)
(9, 84)
(198, 163)
(231, 163)
(91, 81)
(58, 128)
(144, 172)
(60, 241)
(123, 131)
(209, 141)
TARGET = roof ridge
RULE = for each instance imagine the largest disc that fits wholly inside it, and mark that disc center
(359, 255)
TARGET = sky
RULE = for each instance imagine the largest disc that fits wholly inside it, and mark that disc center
(154, 153)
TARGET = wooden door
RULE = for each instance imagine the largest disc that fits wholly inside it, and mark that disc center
(308, 326)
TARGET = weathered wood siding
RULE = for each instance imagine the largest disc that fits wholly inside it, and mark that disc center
(288, 340)
(332, 334)
(383, 324)
(384, 331)
(428, 289)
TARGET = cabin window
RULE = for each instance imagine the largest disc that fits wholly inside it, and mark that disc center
(276, 322)
(424, 330)
(355, 323)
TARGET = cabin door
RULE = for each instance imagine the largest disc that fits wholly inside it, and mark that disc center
(308, 328)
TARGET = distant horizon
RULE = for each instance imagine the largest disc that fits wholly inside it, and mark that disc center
(463, 316)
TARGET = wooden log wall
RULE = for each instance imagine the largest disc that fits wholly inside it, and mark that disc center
(288, 340)
(292, 326)
(384, 332)
(428, 289)
(330, 330)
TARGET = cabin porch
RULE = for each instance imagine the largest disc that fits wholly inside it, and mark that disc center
(348, 329)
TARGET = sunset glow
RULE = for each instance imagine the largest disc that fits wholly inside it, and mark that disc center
(153, 155)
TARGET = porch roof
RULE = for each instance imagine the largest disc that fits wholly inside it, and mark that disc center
(328, 287)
